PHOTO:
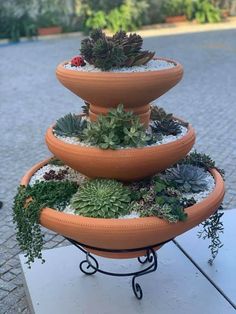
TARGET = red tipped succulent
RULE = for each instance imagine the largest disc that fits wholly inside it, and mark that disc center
(77, 62)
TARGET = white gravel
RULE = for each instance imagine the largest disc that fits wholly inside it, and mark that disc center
(130, 216)
(72, 175)
(166, 139)
(153, 65)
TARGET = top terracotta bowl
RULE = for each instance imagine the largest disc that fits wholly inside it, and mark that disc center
(135, 90)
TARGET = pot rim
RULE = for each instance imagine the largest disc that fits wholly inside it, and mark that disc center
(215, 196)
(106, 74)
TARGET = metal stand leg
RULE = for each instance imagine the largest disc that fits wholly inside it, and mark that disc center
(90, 265)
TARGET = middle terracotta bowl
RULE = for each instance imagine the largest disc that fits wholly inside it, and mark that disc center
(122, 164)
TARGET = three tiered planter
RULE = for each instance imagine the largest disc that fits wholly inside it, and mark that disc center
(131, 237)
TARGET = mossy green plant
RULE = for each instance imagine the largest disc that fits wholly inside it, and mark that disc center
(28, 203)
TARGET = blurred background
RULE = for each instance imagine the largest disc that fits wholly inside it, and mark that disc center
(29, 18)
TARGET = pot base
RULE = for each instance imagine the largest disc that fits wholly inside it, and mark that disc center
(143, 112)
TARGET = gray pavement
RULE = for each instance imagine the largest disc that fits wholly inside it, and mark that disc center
(31, 99)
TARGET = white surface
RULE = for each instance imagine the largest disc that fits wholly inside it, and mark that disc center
(176, 287)
(223, 270)
(152, 65)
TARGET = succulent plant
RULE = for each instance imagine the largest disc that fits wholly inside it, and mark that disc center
(56, 162)
(52, 175)
(69, 125)
(102, 198)
(189, 178)
(117, 51)
(201, 160)
(85, 108)
(118, 128)
(166, 127)
(159, 114)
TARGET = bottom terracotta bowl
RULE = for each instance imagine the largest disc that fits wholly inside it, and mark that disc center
(122, 234)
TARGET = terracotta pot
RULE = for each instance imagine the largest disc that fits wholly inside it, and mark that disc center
(143, 116)
(43, 31)
(122, 164)
(175, 19)
(126, 233)
(106, 90)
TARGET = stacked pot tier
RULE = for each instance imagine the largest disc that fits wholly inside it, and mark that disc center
(133, 233)
(106, 90)
(126, 164)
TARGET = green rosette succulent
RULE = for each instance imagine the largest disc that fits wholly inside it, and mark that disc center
(70, 125)
(102, 198)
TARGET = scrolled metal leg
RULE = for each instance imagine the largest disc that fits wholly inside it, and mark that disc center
(151, 256)
(137, 289)
(90, 268)
(147, 258)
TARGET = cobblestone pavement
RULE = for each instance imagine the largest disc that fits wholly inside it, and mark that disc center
(31, 99)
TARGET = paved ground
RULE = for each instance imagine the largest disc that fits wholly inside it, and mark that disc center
(31, 99)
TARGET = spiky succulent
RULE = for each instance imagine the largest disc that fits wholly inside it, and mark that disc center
(189, 178)
(85, 108)
(166, 127)
(120, 50)
(159, 114)
(69, 125)
(102, 198)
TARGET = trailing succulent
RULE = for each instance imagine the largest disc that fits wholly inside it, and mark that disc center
(28, 204)
(70, 125)
(101, 198)
(164, 123)
(116, 129)
(211, 229)
(120, 50)
(188, 178)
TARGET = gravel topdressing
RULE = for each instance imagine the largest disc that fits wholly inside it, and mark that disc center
(75, 176)
(166, 139)
(153, 65)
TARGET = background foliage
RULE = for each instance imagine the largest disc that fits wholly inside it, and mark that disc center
(23, 17)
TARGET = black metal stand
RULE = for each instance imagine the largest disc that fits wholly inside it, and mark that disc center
(90, 266)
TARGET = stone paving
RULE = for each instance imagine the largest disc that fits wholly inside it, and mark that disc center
(31, 99)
